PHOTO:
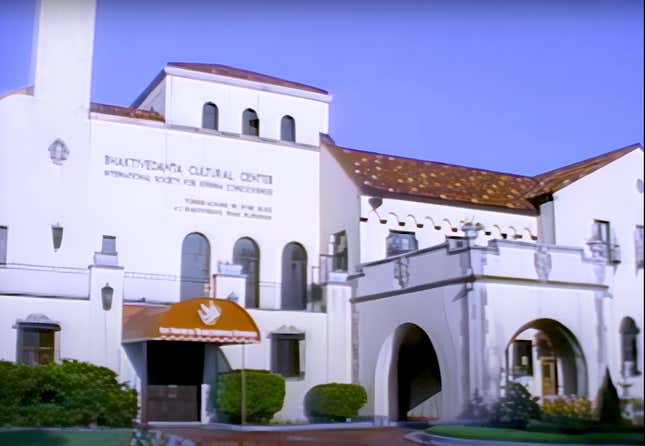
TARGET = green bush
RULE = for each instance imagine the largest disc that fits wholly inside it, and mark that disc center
(334, 402)
(515, 409)
(264, 395)
(570, 415)
(607, 402)
(69, 394)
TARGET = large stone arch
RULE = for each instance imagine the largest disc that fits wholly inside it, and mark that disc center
(408, 373)
(564, 346)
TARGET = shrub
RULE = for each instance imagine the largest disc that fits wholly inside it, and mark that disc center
(576, 408)
(569, 415)
(334, 402)
(69, 394)
(607, 402)
(515, 409)
(264, 395)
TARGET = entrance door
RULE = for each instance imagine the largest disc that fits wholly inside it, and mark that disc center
(549, 376)
(175, 376)
(173, 403)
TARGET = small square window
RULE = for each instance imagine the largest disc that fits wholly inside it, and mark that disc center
(287, 354)
(399, 242)
(108, 246)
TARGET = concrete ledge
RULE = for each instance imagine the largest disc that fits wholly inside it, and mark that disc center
(268, 427)
(438, 440)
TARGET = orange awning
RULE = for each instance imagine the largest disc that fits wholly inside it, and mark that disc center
(199, 320)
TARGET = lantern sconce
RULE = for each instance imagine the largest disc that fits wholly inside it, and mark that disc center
(107, 293)
(57, 236)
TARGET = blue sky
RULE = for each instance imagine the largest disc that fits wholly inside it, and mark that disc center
(521, 87)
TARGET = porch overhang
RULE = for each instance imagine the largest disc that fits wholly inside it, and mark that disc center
(201, 319)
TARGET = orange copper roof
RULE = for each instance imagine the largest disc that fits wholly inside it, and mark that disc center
(230, 323)
(378, 174)
(238, 73)
(126, 111)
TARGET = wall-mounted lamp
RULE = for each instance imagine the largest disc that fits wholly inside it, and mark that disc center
(107, 293)
(57, 235)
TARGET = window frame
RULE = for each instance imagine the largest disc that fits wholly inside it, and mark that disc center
(296, 347)
(4, 243)
(249, 123)
(393, 235)
(214, 124)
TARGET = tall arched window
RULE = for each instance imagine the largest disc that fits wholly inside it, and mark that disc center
(294, 277)
(247, 254)
(629, 349)
(250, 123)
(210, 116)
(195, 266)
(288, 129)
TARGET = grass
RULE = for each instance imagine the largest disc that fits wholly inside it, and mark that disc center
(116, 437)
(498, 434)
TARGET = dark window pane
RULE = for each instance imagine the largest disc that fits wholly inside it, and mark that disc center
(285, 356)
(288, 129)
(3, 244)
(247, 254)
(108, 246)
(210, 116)
(250, 123)
(294, 277)
(339, 259)
(400, 243)
(36, 346)
(195, 266)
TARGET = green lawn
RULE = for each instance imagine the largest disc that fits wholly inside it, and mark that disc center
(490, 433)
(120, 437)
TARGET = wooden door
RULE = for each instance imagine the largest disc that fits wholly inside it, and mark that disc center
(549, 376)
(173, 403)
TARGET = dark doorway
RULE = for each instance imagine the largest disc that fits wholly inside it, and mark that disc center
(417, 368)
(175, 374)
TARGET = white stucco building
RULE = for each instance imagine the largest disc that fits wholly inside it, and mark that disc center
(422, 281)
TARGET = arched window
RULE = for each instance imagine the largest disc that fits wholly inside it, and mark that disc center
(629, 349)
(247, 254)
(250, 123)
(210, 116)
(195, 266)
(288, 129)
(294, 277)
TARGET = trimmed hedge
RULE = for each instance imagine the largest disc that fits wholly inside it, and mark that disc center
(334, 401)
(69, 394)
(264, 395)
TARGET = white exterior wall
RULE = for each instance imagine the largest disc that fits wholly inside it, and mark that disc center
(258, 356)
(400, 215)
(339, 208)
(155, 205)
(610, 194)
(186, 97)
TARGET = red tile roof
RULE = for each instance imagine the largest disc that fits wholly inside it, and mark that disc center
(384, 175)
(129, 112)
(223, 70)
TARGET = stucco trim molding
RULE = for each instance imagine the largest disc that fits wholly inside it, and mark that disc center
(472, 278)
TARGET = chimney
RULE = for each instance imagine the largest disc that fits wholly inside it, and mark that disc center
(62, 52)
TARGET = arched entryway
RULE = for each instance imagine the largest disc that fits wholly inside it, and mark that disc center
(545, 356)
(407, 376)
